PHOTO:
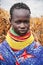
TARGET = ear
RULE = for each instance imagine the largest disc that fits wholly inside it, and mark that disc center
(10, 19)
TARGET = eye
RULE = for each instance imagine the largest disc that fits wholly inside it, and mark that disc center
(18, 22)
(26, 21)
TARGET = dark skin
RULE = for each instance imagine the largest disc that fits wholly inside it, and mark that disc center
(21, 21)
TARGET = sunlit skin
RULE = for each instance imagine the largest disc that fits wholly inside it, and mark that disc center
(21, 21)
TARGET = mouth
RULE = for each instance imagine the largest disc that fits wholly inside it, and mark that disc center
(22, 30)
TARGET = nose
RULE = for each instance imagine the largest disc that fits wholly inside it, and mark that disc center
(22, 25)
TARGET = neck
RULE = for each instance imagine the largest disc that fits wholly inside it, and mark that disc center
(14, 33)
(19, 43)
(16, 37)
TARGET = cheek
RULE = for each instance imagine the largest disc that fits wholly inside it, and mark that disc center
(15, 26)
(28, 25)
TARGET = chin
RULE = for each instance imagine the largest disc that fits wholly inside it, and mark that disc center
(21, 34)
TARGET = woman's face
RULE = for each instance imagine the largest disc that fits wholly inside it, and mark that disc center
(21, 21)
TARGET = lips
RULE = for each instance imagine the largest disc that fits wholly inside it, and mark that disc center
(22, 30)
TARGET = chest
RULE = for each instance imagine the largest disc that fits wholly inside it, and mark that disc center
(27, 55)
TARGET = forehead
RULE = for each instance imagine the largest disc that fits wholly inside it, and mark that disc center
(21, 13)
